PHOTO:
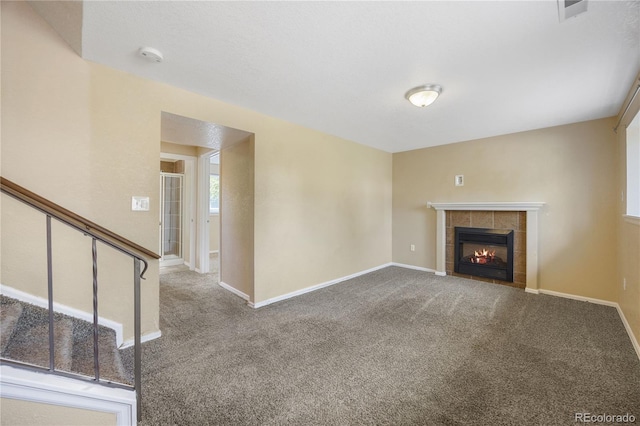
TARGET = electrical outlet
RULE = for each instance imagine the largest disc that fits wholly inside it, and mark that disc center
(459, 180)
(413, 247)
(624, 283)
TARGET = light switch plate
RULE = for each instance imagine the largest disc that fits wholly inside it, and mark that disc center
(140, 204)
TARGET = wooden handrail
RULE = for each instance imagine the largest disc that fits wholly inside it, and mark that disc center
(61, 213)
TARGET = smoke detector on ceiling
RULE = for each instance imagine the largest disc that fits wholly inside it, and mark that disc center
(151, 54)
(571, 8)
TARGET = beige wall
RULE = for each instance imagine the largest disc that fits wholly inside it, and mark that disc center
(323, 210)
(75, 141)
(25, 413)
(571, 168)
(214, 232)
(322, 206)
(628, 232)
(179, 149)
(237, 195)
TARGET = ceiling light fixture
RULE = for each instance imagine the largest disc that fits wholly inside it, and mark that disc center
(423, 96)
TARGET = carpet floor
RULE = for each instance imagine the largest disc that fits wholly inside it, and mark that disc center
(393, 347)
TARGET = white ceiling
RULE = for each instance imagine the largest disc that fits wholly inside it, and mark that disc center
(343, 67)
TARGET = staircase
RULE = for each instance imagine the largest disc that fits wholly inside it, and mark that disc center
(49, 357)
(24, 337)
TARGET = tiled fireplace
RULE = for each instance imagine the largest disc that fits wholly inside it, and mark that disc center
(519, 217)
(500, 221)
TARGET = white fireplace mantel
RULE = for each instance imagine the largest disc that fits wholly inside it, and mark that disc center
(531, 207)
(499, 206)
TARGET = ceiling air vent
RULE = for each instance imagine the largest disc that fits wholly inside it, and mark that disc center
(570, 8)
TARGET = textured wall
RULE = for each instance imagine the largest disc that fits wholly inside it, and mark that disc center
(323, 209)
(572, 168)
(237, 164)
(80, 141)
(322, 204)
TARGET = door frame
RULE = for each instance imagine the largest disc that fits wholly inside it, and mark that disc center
(204, 170)
(189, 183)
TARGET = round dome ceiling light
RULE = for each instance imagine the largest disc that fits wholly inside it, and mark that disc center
(423, 96)
(151, 54)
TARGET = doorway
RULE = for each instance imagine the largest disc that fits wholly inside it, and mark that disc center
(222, 224)
(176, 204)
(171, 218)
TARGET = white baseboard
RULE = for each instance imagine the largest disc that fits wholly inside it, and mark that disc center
(417, 268)
(234, 290)
(45, 388)
(531, 290)
(440, 274)
(213, 251)
(63, 309)
(144, 338)
(315, 287)
(627, 326)
(574, 297)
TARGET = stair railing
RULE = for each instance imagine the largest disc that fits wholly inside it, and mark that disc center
(97, 233)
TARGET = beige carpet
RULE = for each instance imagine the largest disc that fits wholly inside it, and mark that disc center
(213, 266)
(394, 347)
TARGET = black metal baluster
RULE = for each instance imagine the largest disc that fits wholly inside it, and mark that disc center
(52, 360)
(137, 345)
(96, 363)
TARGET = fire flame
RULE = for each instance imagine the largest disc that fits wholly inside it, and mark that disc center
(484, 253)
(483, 256)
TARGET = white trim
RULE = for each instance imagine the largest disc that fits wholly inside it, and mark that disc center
(489, 206)
(172, 262)
(63, 309)
(144, 338)
(634, 220)
(532, 249)
(441, 243)
(204, 164)
(234, 290)
(315, 287)
(576, 297)
(213, 251)
(531, 290)
(417, 268)
(627, 326)
(44, 388)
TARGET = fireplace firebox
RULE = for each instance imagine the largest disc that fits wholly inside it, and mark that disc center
(484, 253)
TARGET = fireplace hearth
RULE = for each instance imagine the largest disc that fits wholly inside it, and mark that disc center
(482, 252)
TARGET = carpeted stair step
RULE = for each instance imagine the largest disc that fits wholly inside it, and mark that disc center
(9, 316)
(25, 338)
(111, 367)
(30, 344)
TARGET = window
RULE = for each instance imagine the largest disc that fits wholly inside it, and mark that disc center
(214, 194)
(633, 167)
